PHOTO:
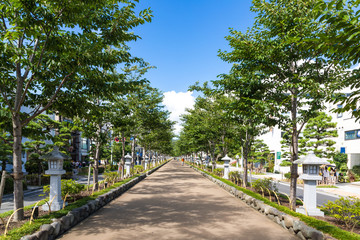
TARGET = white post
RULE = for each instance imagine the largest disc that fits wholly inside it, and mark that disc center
(226, 160)
(127, 165)
(146, 162)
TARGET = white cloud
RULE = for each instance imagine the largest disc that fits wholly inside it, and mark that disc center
(176, 103)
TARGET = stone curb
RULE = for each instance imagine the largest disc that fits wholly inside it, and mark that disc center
(290, 223)
(75, 216)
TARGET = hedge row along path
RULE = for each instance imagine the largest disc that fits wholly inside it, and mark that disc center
(176, 202)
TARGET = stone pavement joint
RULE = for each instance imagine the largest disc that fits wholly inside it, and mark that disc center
(176, 202)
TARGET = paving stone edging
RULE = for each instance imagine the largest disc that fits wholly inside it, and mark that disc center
(75, 216)
(290, 223)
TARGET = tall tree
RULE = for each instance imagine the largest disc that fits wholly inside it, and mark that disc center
(340, 42)
(50, 52)
(260, 152)
(274, 50)
(317, 136)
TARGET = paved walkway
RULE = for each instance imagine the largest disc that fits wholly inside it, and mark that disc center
(176, 202)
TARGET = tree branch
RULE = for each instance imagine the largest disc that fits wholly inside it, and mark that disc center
(6, 141)
(37, 113)
(4, 23)
(300, 129)
(31, 59)
(3, 93)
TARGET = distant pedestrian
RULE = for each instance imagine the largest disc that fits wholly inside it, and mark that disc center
(326, 176)
(183, 160)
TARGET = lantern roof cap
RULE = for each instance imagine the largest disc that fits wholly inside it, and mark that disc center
(55, 154)
(311, 159)
(127, 156)
(226, 158)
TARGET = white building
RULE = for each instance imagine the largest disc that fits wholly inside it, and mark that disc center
(79, 150)
(348, 140)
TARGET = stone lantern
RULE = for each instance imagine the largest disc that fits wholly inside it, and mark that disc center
(197, 160)
(55, 161)
(311, 165)
(207, 160)
(226, 160)
(127, 164)
(237, 161)
(146, 162)
(153, 160)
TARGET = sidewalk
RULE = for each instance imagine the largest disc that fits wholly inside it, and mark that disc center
(177, 203)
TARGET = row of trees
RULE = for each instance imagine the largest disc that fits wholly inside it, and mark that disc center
(293, 60)
(72, 58)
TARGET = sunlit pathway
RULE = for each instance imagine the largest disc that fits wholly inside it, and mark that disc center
(177, 203)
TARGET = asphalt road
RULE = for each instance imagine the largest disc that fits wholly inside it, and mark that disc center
(30, 197)
(321, 197)
(176, 202)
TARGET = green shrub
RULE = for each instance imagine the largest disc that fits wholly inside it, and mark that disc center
(356, 170)
(287, 175)
(67, 186)
(110, 176)
(33, 179)
(67, 166)
(340, 160)
(346, 210)
(285, 163)
(343, 168)
(219, 172)
(265, 183)
(67, 175)
(138, 169)
(9, 185)
(35, 165)
(101, 170)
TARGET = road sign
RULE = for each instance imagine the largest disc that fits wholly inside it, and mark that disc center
(117, 139)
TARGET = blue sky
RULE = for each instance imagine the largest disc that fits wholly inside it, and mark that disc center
(183, 40)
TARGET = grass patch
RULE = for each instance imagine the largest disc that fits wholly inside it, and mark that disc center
(320, 225)
(326, 186)
(28, 228)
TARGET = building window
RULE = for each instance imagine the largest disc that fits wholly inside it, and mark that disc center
(84, 144)
(340, 114)
(350, 135)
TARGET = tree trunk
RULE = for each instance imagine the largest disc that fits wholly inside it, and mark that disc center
(3, 164)
(17, 171)
(133, 154)
(123, 155)
(96, 163)
(294, 152)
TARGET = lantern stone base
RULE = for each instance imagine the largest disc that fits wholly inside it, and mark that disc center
(55, 206)
(310, 212)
